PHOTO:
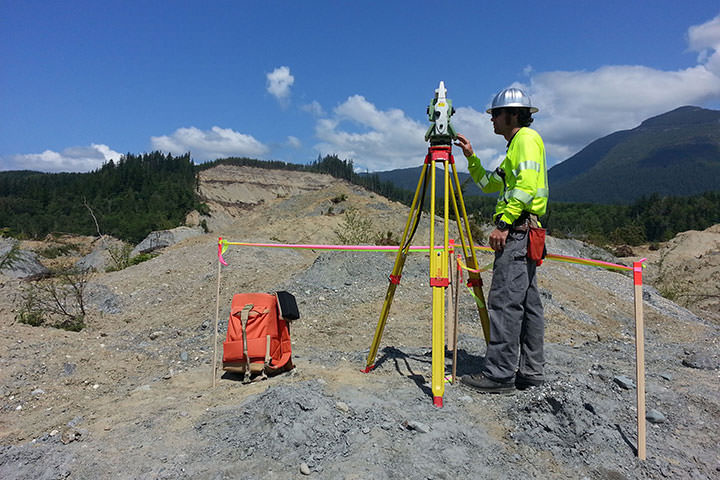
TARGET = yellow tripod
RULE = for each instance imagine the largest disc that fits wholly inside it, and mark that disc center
(439, 280)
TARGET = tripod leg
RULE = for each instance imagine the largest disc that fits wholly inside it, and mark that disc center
(397, 269)
(449, 326)
(439, 282)
(456, 294)
(470, 255)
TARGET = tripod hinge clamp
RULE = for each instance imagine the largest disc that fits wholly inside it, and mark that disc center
(395, 279)
(439, 154)
(439, 282)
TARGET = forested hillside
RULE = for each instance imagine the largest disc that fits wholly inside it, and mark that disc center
(130, 198)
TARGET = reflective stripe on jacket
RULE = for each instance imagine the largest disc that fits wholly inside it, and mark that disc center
(525, 186)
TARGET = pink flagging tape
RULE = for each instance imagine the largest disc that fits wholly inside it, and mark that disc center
(350, 248)
(223, 244)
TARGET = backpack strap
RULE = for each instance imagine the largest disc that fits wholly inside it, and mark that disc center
(244, 314)
(267, 358)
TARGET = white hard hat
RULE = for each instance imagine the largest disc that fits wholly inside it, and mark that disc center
(511, 97)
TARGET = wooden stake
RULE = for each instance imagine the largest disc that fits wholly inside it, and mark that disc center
(639, 359)
(217, 316)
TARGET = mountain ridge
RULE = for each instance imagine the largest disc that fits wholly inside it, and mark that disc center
(628, 164)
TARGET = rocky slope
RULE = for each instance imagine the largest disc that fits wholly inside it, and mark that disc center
(131, 395)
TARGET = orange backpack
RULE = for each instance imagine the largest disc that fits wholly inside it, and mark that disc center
(258, 339)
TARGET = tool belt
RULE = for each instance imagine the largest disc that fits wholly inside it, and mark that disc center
(525, 221)
(528, 222)
(536, 250)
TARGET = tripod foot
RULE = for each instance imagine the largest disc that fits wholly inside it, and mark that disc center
(368, 369)
(438, 402)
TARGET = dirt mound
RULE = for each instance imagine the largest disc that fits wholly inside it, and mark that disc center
(130, 396)
(687, 270)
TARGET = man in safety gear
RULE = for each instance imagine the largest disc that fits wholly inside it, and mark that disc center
(514, 356)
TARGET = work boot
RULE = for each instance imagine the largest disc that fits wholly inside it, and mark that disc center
(482, 383)
(523, 383)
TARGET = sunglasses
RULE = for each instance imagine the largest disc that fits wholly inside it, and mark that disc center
(496, 113)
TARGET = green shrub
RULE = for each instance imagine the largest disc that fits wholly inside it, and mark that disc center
(356, 229)
(340, 198)
(119, 256)
(386, 239)
(72, 324)
(143, 257)
(32, 318)
(203, 209)
(58, 301)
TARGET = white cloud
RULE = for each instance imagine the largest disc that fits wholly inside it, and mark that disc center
(374, 139)
(705, 39)
(315, 108)
(72, 159)
(209, 144)
(294, 142)
(279, 82)
(476, 126)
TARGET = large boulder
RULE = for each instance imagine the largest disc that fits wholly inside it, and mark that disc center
(165, 238)
(20, 264)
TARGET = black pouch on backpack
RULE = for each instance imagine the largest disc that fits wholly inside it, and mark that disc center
(287, 305)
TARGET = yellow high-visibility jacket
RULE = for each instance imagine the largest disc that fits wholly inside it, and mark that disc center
(525, 186)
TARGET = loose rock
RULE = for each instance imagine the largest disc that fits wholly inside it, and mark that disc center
(624, 382)
(700, 361)
(654, 416)
(417, 426)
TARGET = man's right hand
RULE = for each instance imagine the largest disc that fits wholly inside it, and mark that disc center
(464, 143)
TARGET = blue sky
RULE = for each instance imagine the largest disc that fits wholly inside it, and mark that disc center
(82, 82)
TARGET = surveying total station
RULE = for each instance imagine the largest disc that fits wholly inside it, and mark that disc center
(440, 135)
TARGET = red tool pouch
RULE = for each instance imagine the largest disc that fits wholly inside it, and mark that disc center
(536, 245)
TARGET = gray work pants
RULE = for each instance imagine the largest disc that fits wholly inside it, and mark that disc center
(517, 324)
